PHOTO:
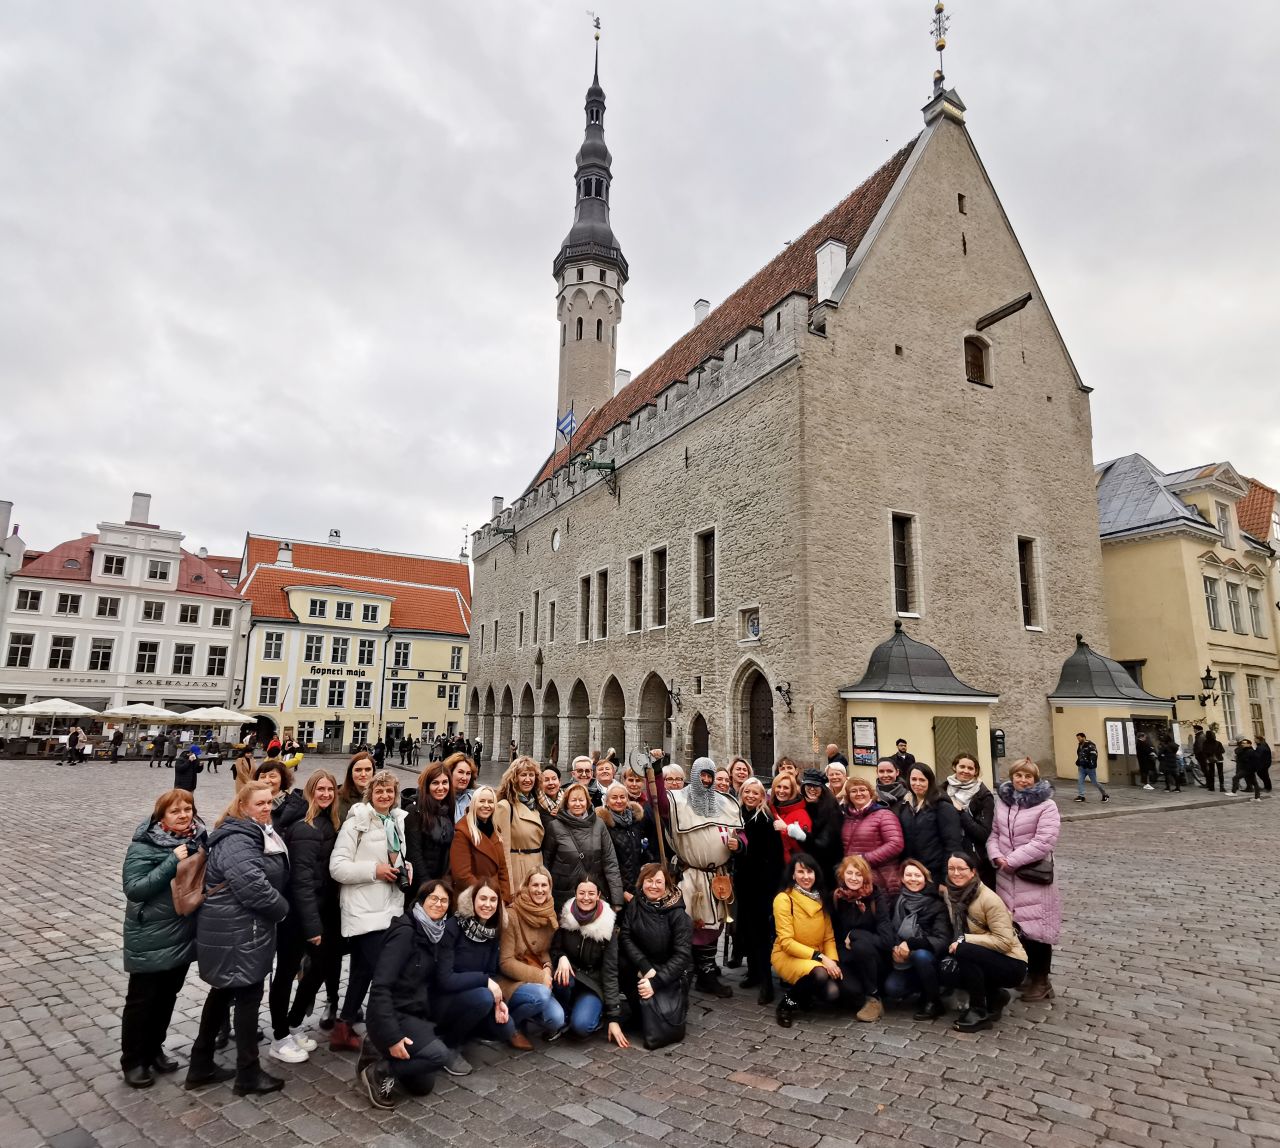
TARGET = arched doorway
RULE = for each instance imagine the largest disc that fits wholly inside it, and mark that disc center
(551, 724)
(655, 713)
(501, 752)
(473, 716)
(486, 723)
(613, 709)
(758, 713)
(700, 736)
(579, 728)
(524, 724)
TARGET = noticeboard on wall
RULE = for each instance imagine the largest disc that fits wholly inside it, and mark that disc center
(1115, 737)
(864, 745)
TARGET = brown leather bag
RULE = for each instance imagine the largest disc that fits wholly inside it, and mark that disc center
(187, 885)
(722, 887)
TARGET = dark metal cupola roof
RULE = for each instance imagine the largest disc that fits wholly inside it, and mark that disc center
(903, 667)
(1089, 676)
(591, 236)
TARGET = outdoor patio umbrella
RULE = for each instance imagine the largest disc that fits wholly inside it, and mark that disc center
(53, 707)
(143, 712)
(214, 715)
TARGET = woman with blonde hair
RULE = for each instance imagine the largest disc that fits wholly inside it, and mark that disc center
(578, 843)
(477, 851)
(518, 819)
(525, 956)
(247, 871)
(313, 926)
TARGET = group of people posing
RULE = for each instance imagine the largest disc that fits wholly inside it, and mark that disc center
(577, 905)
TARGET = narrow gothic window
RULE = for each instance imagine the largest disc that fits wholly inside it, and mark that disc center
(599, 330)
(564, 334)
(602, 278)
(579, 329)
(975, 361)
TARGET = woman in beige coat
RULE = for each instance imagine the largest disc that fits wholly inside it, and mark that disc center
(525, 956)
(518, 820)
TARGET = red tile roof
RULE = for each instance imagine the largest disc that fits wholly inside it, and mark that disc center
(793, 269)
(412, 568)
(1254, 510)
(413, 607)
(195, 575)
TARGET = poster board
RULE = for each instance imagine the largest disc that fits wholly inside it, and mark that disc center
(864, 745)
(1130, 741)
(1115, 737)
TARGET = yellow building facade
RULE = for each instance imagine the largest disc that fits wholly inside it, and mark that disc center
(1190, 595)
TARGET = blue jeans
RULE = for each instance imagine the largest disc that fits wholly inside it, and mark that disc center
(536, 1003)
(921, 973)
(585, 1008)
(1087, 773)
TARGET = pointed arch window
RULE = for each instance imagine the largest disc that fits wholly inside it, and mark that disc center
(579, 328)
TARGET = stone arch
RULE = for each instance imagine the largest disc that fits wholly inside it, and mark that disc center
(549, 724)
(473, 714)
(752, 718)
(613, 713)
(654, 713)
(577, 725)
(505, 710)
(699, 737)
(486, 722)
(524, 721)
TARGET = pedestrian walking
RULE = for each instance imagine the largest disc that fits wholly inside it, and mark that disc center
(1087, 768)
(157, 750)
(117, 740)
(1245, 759)
(1262, 762)
(1148, 762)
(1214, 752)
(1170, 766)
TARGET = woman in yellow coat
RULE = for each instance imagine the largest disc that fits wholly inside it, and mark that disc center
(804, 954)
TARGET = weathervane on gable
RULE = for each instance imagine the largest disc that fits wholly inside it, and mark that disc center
(941, 22)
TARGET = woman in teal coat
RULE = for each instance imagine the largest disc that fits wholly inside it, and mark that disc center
(159, 945)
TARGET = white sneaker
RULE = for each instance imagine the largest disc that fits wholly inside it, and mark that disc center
(287, 1051)
(1149, 787)
(302, 1040)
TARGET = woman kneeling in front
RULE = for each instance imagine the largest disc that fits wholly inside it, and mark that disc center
(804, 954)
(986, 959)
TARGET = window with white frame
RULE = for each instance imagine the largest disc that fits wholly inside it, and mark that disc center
(62, 648)
(68, 605)
(158, 570)
(268, 691)
(399, 695)
(216, 663)
(152, 611)
(338, 651)
(400, 654)
(108, 608)
(364, 695)
(309, 692)
(369, 612)
(306, 732)
(1222, 511)
(222, 617)
(455, 697)
(100, 651)
(113, 565)
(337, 693)
(1253, 691)
(28, 601)
(455, 657)
(1256, 612)
(20, 647)
(184, 656)
(366, 651)
(272, 645)
(341, 611)
(1211, 603)
(317, 608)
(313, 648)
(189, 615)
(1230, 719)
(360, 732)
(1234, 608)
(148, 656)
(428, 731)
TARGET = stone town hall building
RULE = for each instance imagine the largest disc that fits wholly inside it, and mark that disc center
(882, 424)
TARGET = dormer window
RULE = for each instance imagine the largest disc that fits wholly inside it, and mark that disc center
(1222, 511)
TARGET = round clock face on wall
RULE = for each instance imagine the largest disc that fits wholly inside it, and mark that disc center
(555, 540)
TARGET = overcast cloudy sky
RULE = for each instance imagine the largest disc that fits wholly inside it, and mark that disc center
(287, 265)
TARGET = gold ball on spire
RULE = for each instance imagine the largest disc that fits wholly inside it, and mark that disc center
(939, 7)
(940, 44)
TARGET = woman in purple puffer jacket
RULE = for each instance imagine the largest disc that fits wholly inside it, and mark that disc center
(1025, 831)
(871, 831)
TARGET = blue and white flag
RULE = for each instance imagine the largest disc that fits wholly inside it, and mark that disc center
(567, 424)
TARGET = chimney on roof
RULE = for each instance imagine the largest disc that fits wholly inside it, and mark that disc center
(832, 260)
(335, 537)
(701, 308)
(620, 379)
(284, 556)
(495, 506)
(202, 553)
(140, 510)
(6, 513)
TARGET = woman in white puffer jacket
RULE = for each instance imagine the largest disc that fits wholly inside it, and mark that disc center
(369, 864)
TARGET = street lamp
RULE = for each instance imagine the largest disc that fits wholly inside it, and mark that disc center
(1207, 681)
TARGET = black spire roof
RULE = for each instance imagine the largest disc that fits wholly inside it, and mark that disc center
(1088, 676)
(591, 236)
(902, 665)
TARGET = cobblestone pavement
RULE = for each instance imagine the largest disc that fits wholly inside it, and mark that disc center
(1164, 1031)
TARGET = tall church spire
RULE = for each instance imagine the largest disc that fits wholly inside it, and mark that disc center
(590, 272)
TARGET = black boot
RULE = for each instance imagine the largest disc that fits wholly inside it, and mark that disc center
(786, 1010)
(256, 1083)
(708, 974)
(972, 1020)
(139, 1076)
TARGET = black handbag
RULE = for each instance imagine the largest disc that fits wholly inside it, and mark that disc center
(1038, 872)
(663, 1016)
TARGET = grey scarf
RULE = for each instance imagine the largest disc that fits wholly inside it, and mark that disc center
(963, 791)
(433, 929)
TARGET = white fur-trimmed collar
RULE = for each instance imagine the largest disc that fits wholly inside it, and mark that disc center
(601, 929)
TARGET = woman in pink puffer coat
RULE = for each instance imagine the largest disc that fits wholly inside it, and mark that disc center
(1025, 830)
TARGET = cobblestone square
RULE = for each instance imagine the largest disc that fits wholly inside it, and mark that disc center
(1164, 1031)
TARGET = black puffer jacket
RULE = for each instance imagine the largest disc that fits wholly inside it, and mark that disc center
(235, 927)
(634, 844)
(292, 809)
(658, 937)
(428, 848)
(592, 951)
(975, 825)
(185, 771)
(402, 981)
(871, 916)
(577, 845)
(313, 894)
(930, 835)
(933, 920)
(757, 871)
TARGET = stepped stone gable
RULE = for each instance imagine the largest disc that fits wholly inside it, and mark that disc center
(795, 428)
